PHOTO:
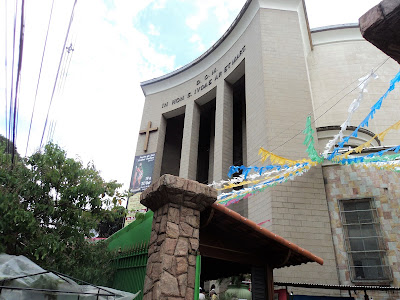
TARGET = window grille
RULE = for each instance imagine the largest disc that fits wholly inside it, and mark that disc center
(364, 242)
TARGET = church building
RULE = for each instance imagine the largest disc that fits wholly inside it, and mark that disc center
(255, 87)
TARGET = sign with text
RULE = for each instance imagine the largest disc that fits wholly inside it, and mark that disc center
(142, 172)
(214, 74)
(133, 207)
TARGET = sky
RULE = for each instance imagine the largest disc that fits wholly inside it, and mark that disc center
(95, 112)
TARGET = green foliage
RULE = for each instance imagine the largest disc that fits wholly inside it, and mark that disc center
(111, 221)
(49, 206)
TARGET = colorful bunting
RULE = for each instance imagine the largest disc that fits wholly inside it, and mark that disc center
(377, 156)
(309, 142)
(235, 196)
(261, 172)
(370, 116)
(359, 149)
(364, 81)
(262, 177)
(275, 159)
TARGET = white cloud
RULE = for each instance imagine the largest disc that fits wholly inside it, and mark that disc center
(194, 21)
(196, 39)
(221, 9)
(153, 30)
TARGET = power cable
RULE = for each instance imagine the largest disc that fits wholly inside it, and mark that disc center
(62, 85)
(21, 48)
(70, 51)
(12, 81)
(5, 65)
(49, 132)
(54, 129)
(58, 71)
(40, 72)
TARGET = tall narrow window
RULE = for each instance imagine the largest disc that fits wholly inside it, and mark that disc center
(239, 122)
(365, 248)
(206, 138)
(173, 146)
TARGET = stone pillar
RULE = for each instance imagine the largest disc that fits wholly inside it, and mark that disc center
(174, 241)
(190, 141)
(223, 143)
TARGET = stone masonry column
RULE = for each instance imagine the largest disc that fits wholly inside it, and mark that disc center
(174, 241)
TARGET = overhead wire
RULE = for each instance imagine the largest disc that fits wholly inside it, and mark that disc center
(5, 66)
(49, 131)
(10, 122)
(40, 72)
(69, 57)
(58, 71)
(62, 85)
(63, 78)
(20, 56)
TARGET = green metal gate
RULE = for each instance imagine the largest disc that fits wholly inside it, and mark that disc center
(130, 269)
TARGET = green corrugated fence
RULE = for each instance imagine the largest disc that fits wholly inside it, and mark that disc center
(130, 269)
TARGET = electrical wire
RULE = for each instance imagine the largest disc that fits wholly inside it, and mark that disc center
(12, 81)
(49, 131)
(58, 71)
(62, 85)
(5, 66)
(69, 58)
(16, 105)
(40, 72)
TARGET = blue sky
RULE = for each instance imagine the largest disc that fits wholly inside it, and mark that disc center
(118, 44)
(180, 28)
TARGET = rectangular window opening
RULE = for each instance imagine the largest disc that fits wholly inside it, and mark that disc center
(239, 122)
(364, 241)
(171, 158)
(206, 142)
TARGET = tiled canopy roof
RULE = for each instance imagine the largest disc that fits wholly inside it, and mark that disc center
(225, 235)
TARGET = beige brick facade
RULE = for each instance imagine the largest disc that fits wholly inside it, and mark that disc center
(285, 81)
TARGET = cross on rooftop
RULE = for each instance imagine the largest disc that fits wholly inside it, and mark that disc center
(147, 132)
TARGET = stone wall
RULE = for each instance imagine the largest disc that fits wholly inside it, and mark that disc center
(172, 253)
(352, 182)
(174, 241)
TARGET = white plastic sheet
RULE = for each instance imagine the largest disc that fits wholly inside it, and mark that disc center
(12, 266)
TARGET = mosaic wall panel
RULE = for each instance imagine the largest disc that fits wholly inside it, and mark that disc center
(357, 182)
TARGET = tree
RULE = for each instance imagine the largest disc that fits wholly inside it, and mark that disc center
(111, 221)
(49, 206)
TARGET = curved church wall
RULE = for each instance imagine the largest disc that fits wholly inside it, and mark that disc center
(339, 58)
